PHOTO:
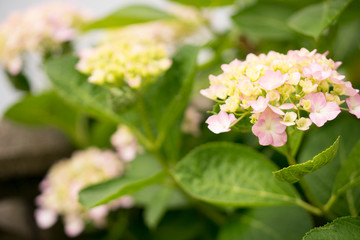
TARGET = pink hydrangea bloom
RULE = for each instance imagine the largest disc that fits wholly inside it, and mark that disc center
(83, 169)
(321, 110)
(354, 105)
(269, 129)
(298, 88)
(221, 122)
(272, 80)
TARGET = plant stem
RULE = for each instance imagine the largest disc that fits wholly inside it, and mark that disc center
(330, 202)
(314, 210)
(304, 186)
(351, 203)
(144, 117)
(309, 195)
(81, 134)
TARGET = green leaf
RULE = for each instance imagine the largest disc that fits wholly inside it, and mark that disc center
(232, 175)
(267, 223)
(157, 207)
(105, 192)
(133, 14)
(74, 87)
(173, 92)
(266, 21)
(296, 172)
(314, 19)
(44, 109)
(101, 132)
(349, 173)
(141, 172)
(341, 228)
(19, 81)
(205, 3)
(321, 181)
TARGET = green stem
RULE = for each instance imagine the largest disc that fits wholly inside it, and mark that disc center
(82, 131)
(304, 186)
(238, 120)
(351, 203)
(330, 202)
(314, 210)
(144, 118)
(309, 194)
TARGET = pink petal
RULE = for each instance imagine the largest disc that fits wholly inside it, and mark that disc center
(279, 139)
(331, 110)
(287, 106)
(276, 110)
(272, 80)
(354, 105)
(73, 226)
(318, 119)
(221, 122)
(259, 105)
(45, 218)
(265, 139)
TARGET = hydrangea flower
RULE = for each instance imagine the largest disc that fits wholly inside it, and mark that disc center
(60, 188)
(41, 29)
(126, 62)
(275, 91)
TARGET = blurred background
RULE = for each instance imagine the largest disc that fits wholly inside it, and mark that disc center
(8, 95)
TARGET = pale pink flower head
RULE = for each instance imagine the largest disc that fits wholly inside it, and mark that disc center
(272, 80)
(298, 88)
(354, 105)
(221, 122)
(269, 129)
(321, 110)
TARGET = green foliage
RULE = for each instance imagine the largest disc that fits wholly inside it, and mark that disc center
(141, 173)
(157, 207)
(314, 19)
(349, 173)
(19, 81)
(265, 20)
(129, 15)
(44, 109)
(74, 88)
(295, 173)
(205, 3)
(321, 182)
(270, 223)
(231, 175)
(293, 143)
(243, 125)
(171, 96)
(341, 228)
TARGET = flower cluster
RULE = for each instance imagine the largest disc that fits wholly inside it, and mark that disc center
(277, 91)
(60, 188)
(42, 29)
(125, 143)
(124, 62)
